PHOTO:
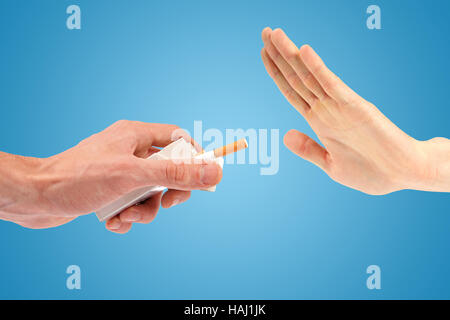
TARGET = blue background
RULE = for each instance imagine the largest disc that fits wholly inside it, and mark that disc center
(294, 235)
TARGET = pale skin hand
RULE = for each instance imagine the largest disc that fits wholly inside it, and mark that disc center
(362, 149)
(44, 193)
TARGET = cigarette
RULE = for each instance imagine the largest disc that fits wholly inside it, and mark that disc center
(230, 148)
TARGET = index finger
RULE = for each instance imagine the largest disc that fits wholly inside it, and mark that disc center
(160, 135)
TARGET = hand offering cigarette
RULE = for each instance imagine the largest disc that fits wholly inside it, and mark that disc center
(182, 148)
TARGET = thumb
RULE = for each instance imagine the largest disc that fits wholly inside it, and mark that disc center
(179, 175)
(306, 148)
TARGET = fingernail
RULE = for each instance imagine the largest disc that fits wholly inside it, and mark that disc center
(209, 174)
(115, 224)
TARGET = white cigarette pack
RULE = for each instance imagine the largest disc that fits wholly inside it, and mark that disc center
(178, 150)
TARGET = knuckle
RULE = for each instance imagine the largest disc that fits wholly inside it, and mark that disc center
(274, 73)
(315, 102)
(308, 146)
(181, 175)
(290, 96)
(302, 148)
(273, 53)
(309, 79)
(178, 133)
(174, 127)
(125, 215)
(177, 173)
(328, 161)
(327, 100)
(123, 165)
(329, 85)
(317, 68)
(132, 141)
(293, 79)
(149, 217)
(293, 56)
(121, 123)
(302, 145)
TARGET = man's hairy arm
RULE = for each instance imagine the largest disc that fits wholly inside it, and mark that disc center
(43, 193)
(18, 188)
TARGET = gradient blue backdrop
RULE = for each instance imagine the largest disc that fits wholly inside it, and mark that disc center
(293, 235)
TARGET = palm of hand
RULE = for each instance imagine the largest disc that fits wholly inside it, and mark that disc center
(362, 148)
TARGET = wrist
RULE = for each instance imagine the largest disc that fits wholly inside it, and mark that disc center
(434, 160)
(17, 187)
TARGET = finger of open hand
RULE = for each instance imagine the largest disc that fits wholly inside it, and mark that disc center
(291, 54)
(306, 148)
(330, 83)
(289, 93)
(285, 68)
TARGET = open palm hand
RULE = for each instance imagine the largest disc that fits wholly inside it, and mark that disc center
(362, 149)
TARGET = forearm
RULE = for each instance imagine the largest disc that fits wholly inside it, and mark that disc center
(16, 183)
